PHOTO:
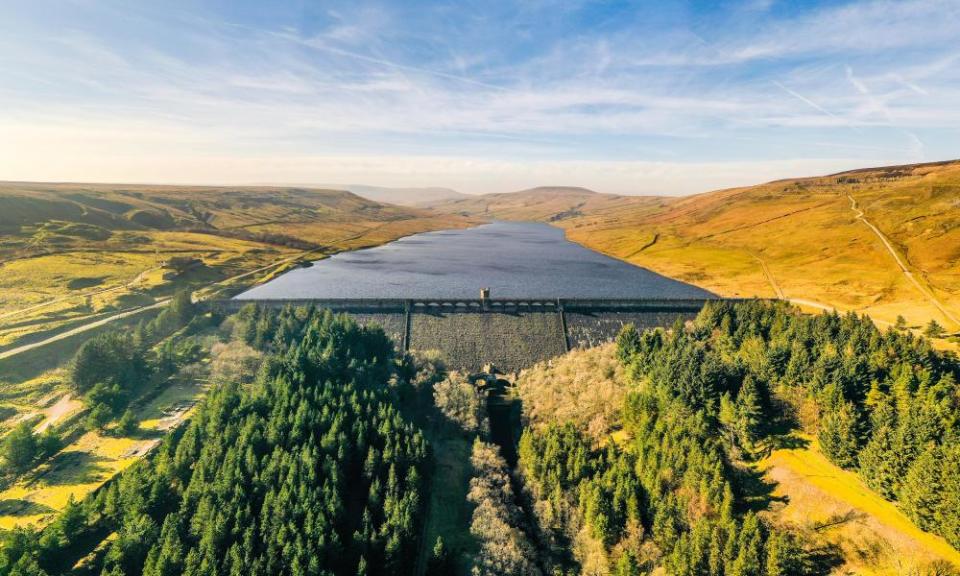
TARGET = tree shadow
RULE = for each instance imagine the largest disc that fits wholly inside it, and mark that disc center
(835, 520)
(16, 507)
(824, 559)
(783, 441)
(73, 468)
(756, 490)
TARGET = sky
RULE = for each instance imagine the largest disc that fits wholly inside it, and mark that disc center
(476, 95)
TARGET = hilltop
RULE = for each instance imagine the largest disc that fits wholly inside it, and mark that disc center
(413, 197)
(805, 239)
(544, 203)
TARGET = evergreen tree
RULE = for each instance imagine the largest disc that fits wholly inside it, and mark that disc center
(839, 434)
(20, 447)
(920, 493)
(933, 329)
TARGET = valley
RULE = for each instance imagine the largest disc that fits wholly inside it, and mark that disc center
(541, 445)
(70, 253)
(513, 288)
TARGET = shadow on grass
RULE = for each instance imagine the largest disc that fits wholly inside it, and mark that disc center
(15, 507)
(73, 315)
(73, 468)
(756, 490)
(32, 363)
(140, 434)
(825, 559)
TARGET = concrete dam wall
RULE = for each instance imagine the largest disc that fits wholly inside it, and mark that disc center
(509, 334)
(508, 341)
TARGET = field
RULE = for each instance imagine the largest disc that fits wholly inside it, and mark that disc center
(798, 239)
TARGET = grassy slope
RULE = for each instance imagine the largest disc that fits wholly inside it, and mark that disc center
(803, 230)
(873, 534)
(449, 511)
(70, 251)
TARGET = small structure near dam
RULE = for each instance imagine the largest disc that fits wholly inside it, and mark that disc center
(510, 334)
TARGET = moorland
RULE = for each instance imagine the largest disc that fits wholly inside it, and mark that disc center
(882, 241)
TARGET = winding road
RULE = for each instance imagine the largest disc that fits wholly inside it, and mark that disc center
(900, 263)
(134, 311)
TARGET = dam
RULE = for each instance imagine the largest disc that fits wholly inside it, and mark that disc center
(508, 294)
(510, 334)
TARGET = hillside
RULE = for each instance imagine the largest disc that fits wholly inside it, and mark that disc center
(545, 203)
(800, 239)
(73, 252)
(859, 502)
(413, 197)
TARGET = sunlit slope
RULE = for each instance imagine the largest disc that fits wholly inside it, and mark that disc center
(798, 238)
(834, 506)
(37, 213)
(72, 252)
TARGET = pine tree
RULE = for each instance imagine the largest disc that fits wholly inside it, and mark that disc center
(933, 329)
(920, 493)
(20, 447)
(839, 434)
(878, 467)
(749, 412)
(947, 514)
(128, 424)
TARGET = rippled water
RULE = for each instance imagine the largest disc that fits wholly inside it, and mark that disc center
(515, 260)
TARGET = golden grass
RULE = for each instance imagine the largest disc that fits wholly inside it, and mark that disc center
(876, 537)
(55, 273)
(804, 230)
(76, 471)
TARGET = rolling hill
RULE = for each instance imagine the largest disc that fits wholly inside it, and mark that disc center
(885, 241)
(72, 252)
(413, 197)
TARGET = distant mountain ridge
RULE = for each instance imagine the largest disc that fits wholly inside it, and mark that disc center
(411, 196)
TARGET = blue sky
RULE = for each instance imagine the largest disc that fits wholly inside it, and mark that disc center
(481, 96)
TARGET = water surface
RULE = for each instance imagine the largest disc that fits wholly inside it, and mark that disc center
(515, 260)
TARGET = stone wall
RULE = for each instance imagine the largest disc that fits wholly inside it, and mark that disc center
(469, 340)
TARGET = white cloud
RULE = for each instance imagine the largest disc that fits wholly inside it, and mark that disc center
(433, 94)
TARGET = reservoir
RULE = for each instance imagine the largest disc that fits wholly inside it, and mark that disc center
(515, 260)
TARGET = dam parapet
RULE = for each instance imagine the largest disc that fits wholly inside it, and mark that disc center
(511, 334)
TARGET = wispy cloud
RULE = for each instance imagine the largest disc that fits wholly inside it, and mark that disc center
(544, 83)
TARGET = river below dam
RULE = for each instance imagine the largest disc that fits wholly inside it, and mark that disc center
(514, 259)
